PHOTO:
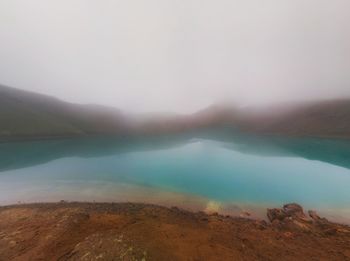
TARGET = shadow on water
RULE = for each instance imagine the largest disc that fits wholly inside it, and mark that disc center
(15, 155)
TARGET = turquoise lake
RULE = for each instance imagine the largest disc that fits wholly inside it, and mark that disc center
(213, 171)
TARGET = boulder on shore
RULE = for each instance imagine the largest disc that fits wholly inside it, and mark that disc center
(313, 214)
(292, 218)
(276, 214)
(292, 210)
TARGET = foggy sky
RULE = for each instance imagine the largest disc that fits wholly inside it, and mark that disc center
(176, 55)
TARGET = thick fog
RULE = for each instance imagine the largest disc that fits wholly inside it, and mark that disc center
(176, 55)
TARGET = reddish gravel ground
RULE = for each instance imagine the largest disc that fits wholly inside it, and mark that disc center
(125, 231)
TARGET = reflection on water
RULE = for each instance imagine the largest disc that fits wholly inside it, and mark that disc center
(214, 171)
(24, 154)
(17, 155)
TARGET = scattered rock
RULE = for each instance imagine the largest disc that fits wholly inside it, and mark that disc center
(102, 231)
(299, 225)
(175, 208)
(245, 214)
(94, 248)
(313, 214)
(288, 234)
(292, 218)
(290, 211)
(261, 224)
(343, 230)
(330, 231)
(275, 214)
(294, 210)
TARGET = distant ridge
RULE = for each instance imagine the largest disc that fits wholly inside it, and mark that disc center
(327, 118)
(28, 115)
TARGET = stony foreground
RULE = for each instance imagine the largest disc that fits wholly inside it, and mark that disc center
(125, 231)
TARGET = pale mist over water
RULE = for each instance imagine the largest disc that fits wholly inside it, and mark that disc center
(179, 56)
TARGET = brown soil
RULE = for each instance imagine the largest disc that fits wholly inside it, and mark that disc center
(125, 231)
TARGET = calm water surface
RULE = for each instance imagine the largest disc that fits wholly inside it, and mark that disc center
(224, 173)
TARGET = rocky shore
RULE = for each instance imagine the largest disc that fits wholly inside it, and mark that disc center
(126, 231)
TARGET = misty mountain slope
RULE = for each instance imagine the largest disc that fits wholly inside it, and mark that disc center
(215, 116)
(318, 119)
(322, 118)
(29, 114)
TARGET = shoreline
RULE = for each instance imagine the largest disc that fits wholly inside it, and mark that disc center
(129, 231)
(34, 138)
(192, 203)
